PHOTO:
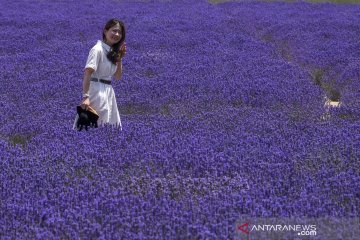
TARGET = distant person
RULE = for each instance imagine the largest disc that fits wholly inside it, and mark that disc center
(103, 65)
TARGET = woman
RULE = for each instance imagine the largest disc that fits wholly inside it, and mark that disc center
(104, 63)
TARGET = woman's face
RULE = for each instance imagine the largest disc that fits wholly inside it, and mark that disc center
(113, 35)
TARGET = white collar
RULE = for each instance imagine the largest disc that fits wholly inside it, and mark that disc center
(107, 47)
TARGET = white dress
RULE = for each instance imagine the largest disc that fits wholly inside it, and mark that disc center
(102, 96)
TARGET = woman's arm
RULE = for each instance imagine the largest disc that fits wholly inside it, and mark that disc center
(86, 81)
(86, 85)
(118, 73)
(122, 52)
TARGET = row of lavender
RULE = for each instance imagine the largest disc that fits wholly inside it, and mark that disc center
(222, 110)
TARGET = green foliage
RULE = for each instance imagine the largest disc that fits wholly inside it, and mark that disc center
(331, 88)
(19, 139)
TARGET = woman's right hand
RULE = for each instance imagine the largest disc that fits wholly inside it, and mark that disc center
(85, 103)
(86, 85)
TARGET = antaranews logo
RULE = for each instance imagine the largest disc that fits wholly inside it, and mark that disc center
(245, 229)
(329, 228)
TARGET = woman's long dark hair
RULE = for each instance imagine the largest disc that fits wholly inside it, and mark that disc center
(113, 54)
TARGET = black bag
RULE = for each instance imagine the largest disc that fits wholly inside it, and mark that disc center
(87, 118)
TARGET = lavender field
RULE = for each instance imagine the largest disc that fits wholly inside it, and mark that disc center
(223, 113)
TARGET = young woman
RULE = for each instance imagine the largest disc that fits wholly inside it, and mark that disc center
(104, 64)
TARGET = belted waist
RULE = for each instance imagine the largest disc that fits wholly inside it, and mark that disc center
(101, 80)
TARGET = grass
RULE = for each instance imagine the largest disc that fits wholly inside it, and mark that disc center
(19, 139)
(311, 1)
(336, 1)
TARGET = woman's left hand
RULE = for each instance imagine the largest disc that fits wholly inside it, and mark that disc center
(122, 50)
